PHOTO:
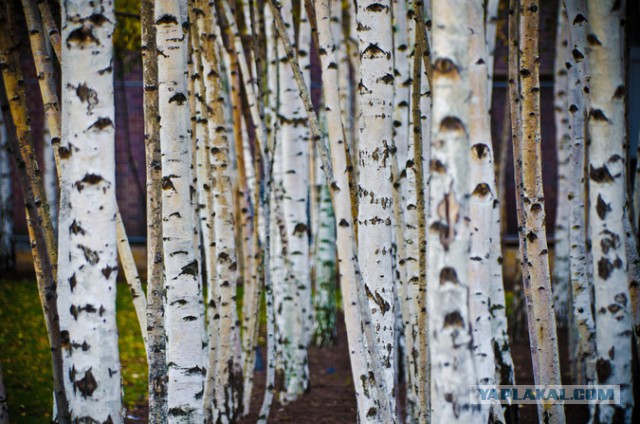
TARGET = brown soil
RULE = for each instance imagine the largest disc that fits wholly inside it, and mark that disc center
(331, 398)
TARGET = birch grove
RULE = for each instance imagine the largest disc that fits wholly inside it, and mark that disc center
(328, 210)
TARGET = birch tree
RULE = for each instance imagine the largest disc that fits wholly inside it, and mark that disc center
(183, 315)
(293, 137)
(607, 127)
(483, 211)
(448, 236)
(561, 269)
(41, 234)
(324, 333)
(156, 341)
(531, 211)
(581, 284)
(87, 243)
(228, 368)
(355, 297)
(375, 154)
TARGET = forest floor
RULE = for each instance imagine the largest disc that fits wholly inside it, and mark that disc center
(331, 398)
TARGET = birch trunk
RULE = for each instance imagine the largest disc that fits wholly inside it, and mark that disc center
(561, 268)
(183, 313)
(41, 235)
(50, 177)
(266, 148)
(483, 211)
(607, 202)
(504, 366)
(491, 13)
(204, 123)
(375, 191)
(7, 252)
(370, 388)
(42, 53)
(415, 232)
(448, 237)
(50, 27)
(401, 99)
(542, 324)
(323, 243)
(293, 136)
(156, 341)
(515, 106)
(251, 281)
(581, 284)
(87, 242)
(325, 296)
(228, 396)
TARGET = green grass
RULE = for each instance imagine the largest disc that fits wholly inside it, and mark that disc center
(25, 358)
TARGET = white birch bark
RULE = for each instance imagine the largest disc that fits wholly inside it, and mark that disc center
(88, 231)
(607, 202)
(561, 267)
(183, 314)
(452, 366)
(266, 148)
(483, 204)
(370, 394)
(414, 297)
(401, 100)
(293, 136)
(324, 333)
(581, 285)
(491, 11)
(228, 368)
(374, 193)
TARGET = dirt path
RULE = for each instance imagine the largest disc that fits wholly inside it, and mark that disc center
(331, 399)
